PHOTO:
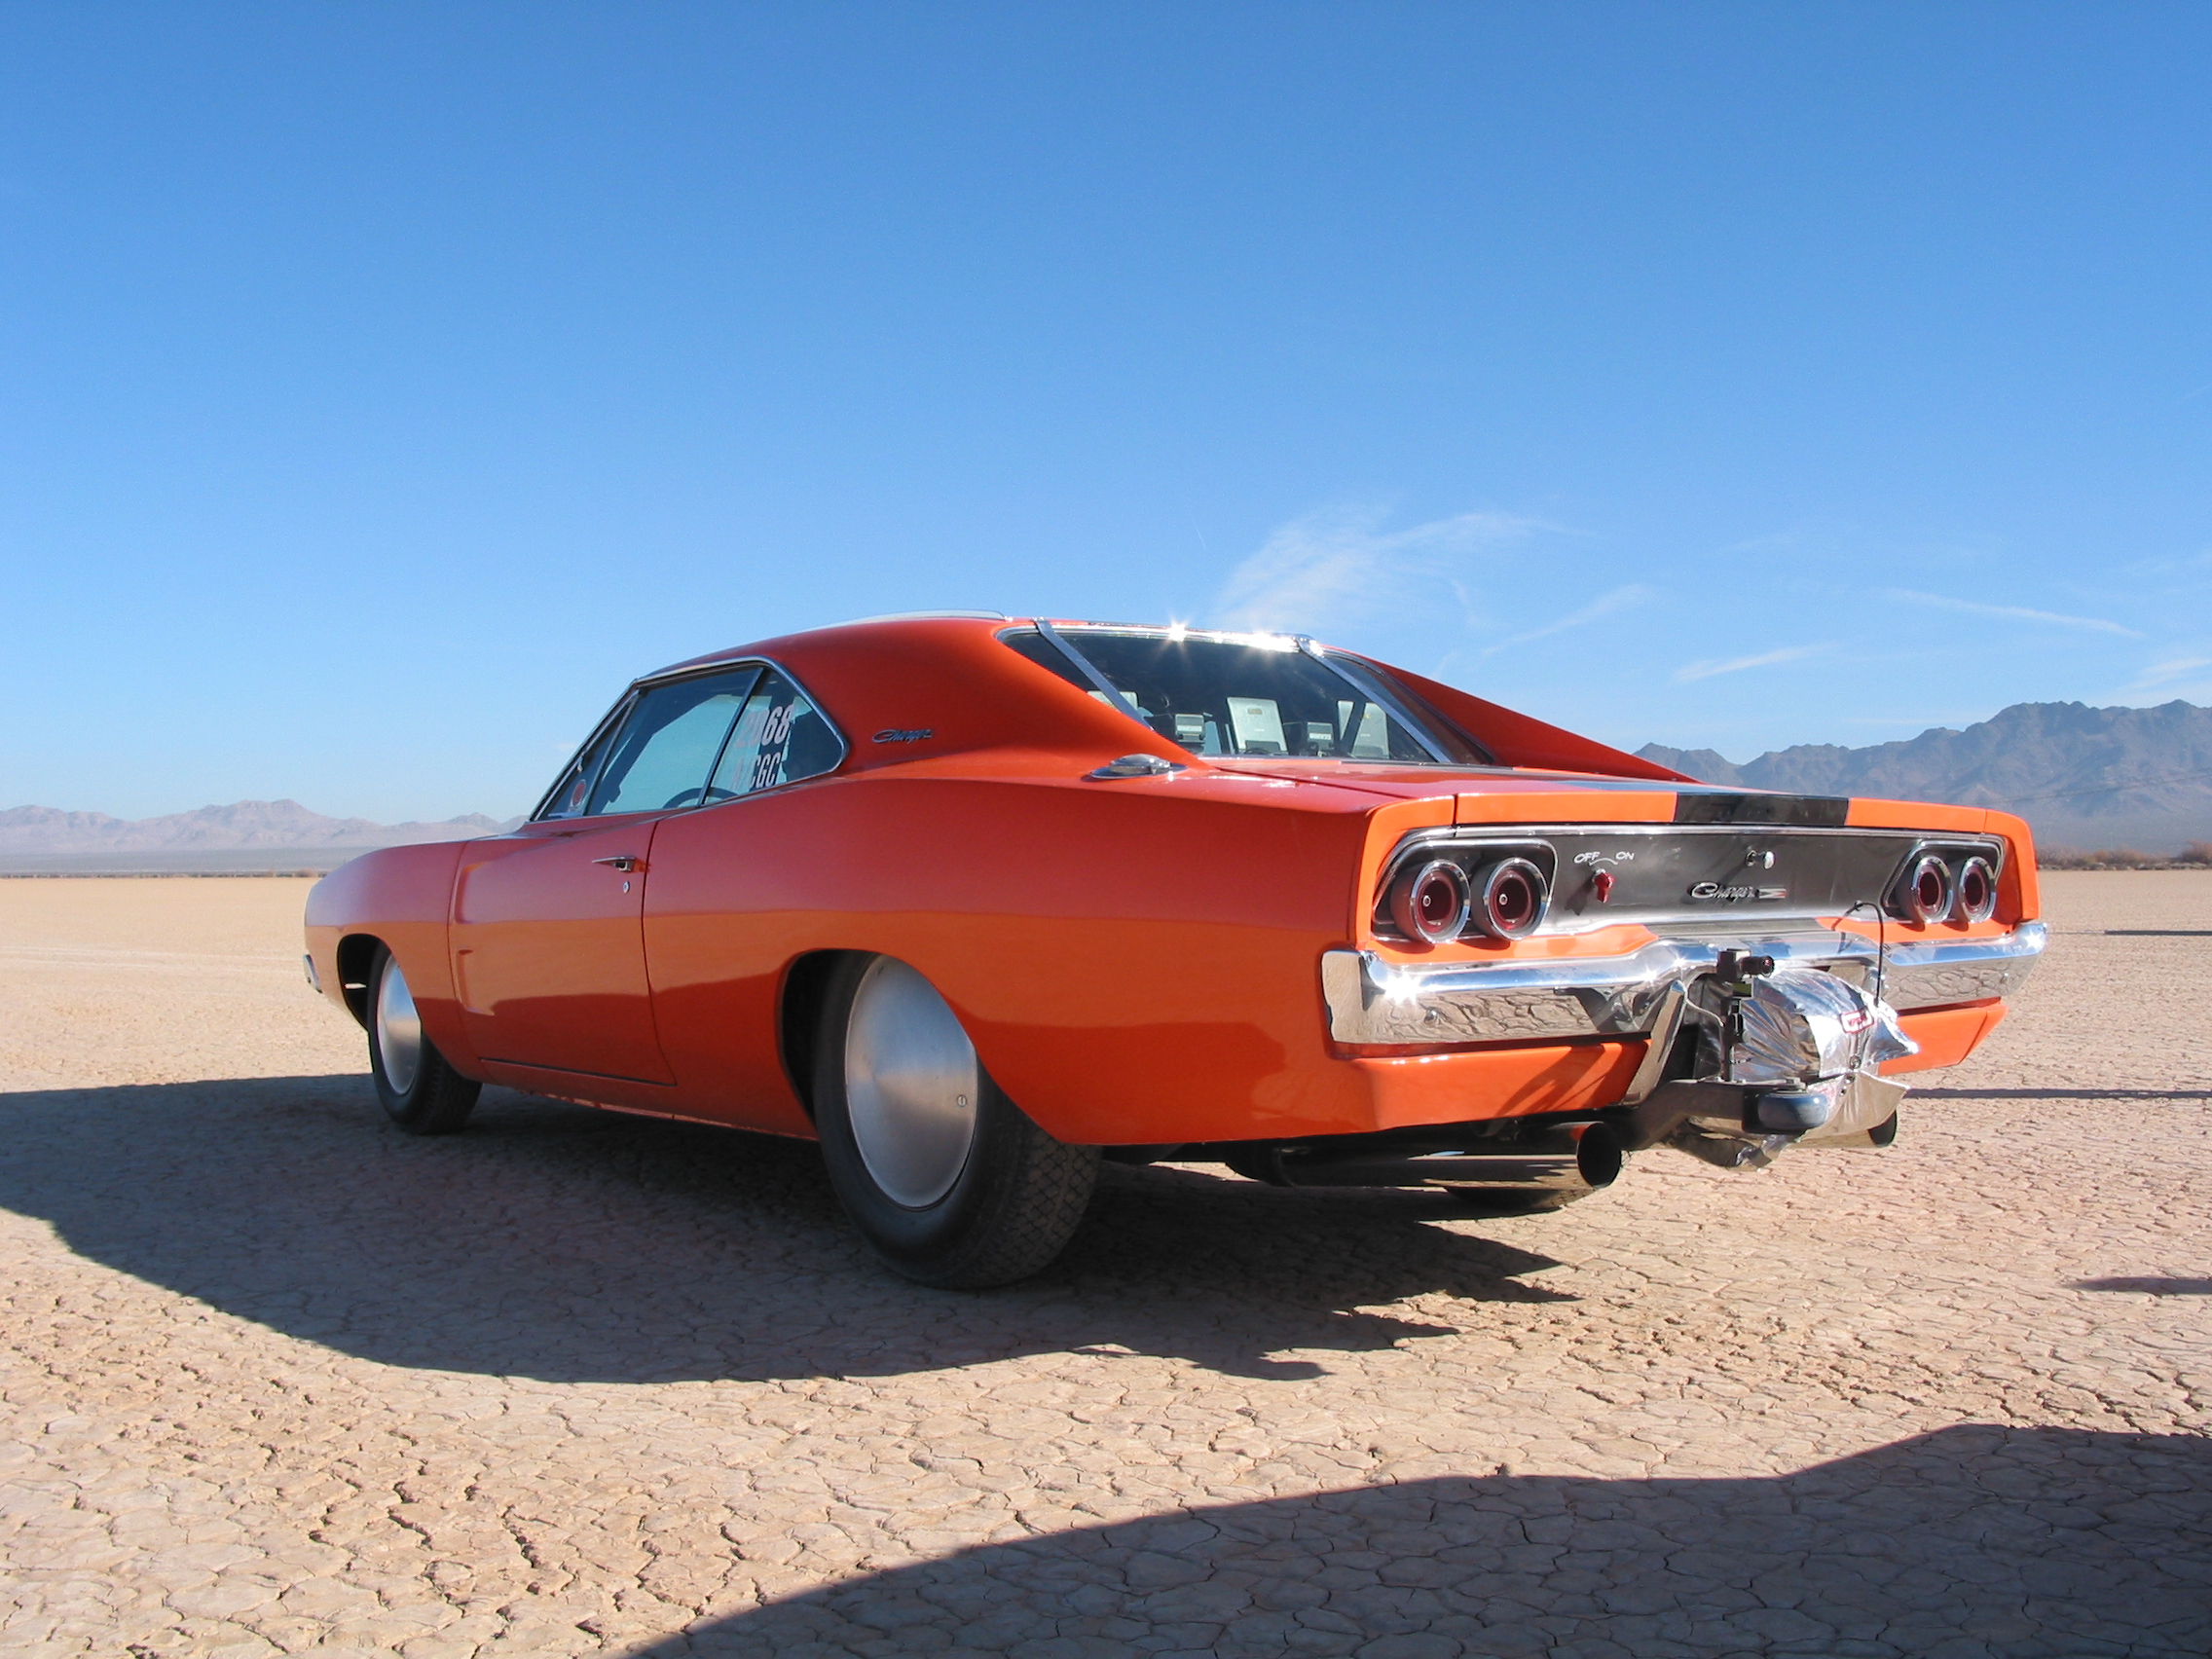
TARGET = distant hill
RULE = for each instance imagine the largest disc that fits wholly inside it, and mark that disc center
(246, 836)
(2082, 777)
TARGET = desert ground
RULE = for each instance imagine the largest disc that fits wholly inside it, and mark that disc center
(279, 1378)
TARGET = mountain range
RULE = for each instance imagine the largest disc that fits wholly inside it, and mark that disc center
(2082, 777)
(243, 823)
(246, 836)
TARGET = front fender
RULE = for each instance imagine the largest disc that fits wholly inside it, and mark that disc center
(403, 897)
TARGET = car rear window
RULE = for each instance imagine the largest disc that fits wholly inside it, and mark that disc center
(1228, 694)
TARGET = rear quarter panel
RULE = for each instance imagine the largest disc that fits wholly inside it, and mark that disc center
(1135, 959)
(2019, 895)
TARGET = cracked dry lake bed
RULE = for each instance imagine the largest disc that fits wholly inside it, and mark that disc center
(279, 1378)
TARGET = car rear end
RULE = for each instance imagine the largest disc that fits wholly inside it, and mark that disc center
(1727, 974)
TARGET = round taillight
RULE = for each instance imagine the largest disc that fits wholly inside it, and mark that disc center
(1978, 891)
(1510, 899)
(1928, 890)
(1430, 903)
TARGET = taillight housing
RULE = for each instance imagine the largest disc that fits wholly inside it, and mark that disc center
(1978, 891)
(1429, 902)
(1510, 898)
(1441, 886)
(1926, 896)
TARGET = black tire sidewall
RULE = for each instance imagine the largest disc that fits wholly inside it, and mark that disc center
(411, 1108)
(923, 1240)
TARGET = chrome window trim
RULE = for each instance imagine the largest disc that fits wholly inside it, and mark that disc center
(651, 681)
(1374, 1003)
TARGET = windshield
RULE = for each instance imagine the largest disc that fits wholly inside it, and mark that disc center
(1228, 695)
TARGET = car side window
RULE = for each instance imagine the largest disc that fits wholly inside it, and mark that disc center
(569, 798)
(780, 738)
(667, 746)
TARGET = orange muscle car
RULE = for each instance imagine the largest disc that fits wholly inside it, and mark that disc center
(976, 902)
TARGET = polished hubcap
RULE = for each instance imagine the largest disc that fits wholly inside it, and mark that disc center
(399, 1030)
(911, 1085)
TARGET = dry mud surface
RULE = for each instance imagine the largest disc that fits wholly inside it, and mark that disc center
(280, 1379)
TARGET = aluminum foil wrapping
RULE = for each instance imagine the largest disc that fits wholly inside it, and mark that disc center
(1801, 1024)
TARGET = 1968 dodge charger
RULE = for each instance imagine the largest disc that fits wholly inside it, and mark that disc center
(977, 901)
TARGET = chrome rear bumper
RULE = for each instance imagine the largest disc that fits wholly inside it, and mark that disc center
(1372, 1002)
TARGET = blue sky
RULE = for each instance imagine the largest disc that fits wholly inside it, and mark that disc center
(381, 386)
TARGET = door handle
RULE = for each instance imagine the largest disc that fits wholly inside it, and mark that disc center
(625, 862)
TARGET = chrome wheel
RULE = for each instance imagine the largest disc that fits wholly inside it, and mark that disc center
(911, 1085)
(398, 1029)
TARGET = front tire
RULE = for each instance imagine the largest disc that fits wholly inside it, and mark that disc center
(945, 1177)
(419, 1089)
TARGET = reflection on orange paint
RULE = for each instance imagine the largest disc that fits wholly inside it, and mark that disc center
(1137, 961)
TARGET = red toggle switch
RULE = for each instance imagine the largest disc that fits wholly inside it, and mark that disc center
(1602, 881)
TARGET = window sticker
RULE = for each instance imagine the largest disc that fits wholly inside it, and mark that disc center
(780, 739)
(1374, 739)
(1257, 726)
(775, 737)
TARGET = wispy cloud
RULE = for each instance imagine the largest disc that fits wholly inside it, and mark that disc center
(2188, 677)
(2014, 612)
(2189, 564)
(2173, 668)
(1604, 605)
(1317, 570)
(1736, 665)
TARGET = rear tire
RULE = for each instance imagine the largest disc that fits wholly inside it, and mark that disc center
(419, 1089)
(946, 1178)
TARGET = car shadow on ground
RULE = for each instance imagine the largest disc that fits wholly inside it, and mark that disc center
(2003, 1543)
(560, 1243)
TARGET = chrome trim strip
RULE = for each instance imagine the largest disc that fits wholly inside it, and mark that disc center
(1372, 1002)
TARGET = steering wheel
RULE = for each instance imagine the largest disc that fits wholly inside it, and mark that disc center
(707, 797)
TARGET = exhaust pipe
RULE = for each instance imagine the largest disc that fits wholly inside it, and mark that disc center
(1746, 1127)
(1573, 1158)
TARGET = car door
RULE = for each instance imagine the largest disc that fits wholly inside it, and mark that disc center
(548, 941)
(717, 945)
